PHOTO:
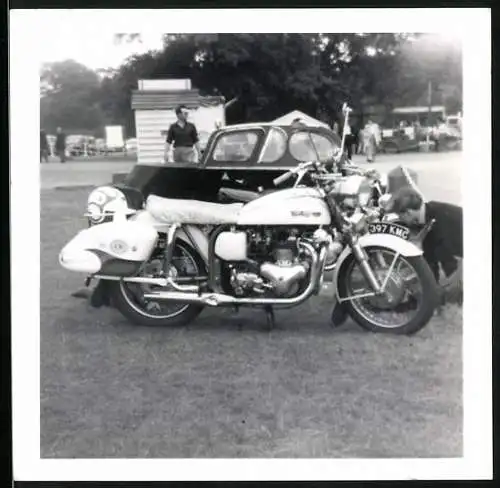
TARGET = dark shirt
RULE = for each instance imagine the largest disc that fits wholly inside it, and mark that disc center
(444, 243)
(186, 136)
(61, 141)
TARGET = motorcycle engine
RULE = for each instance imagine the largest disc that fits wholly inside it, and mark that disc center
(274, 265)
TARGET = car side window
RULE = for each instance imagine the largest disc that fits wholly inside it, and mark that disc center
(274, 146)
(235, 146)
(309, 146)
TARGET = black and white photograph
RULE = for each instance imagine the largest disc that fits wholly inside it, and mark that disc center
(252, 244)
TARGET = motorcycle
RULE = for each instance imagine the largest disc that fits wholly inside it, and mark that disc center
(161, 265)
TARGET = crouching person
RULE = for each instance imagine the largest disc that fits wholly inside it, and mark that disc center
(443, 245)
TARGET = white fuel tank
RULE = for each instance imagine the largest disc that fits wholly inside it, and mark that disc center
(293, 206)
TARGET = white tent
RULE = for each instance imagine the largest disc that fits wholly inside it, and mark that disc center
(297, 114)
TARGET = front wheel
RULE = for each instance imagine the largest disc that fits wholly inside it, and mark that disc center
(129, 299)
(409, 300)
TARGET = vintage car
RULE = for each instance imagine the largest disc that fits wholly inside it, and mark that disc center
(238, 158)
(399, 142)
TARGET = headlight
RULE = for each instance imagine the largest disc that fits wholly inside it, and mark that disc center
(103, 202)
(95, 213)
(352, 191)
(384, 201)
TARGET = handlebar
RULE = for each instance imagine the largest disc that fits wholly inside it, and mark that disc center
(281, 179)
(301, 167)
(305, 166)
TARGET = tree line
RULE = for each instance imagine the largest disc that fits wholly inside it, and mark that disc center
(267, 74)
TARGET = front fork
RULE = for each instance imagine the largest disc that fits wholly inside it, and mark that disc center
(366, 269)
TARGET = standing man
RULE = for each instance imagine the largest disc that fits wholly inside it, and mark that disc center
(184, 136)
(44, 147)
(348, 140)
(61, 145)
(370, 141)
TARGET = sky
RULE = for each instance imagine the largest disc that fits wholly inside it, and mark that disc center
(87, 36)
(95, 48)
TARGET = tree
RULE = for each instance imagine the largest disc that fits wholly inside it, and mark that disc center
(70, 97)
(268, 75)
(430, 58)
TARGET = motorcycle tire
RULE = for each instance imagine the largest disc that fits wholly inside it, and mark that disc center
(430, 291)
(132, 313)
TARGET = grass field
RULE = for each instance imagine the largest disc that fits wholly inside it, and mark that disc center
(224, 387)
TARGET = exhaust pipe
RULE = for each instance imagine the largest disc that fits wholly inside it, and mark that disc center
(163, 282)
(221, 299)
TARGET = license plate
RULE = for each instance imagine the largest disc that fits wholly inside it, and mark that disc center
(391, 229)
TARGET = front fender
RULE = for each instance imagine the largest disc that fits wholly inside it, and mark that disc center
(405, 248)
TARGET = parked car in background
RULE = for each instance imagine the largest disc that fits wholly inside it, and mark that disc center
(398, 141)
(454, 122)
(80, 145)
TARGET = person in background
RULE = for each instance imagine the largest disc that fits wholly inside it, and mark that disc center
(61, 145)
(336, 128)
(361, 141)
(417, 130)
(348, 140)
(402, 128)
(355, 139)
(44, 147)
(184, 136)
(370, 141)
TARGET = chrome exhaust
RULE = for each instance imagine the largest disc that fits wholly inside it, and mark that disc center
(163, 282)
(221, 299)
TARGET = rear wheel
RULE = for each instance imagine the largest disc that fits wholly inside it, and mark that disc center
(129, 299)
(410, 298)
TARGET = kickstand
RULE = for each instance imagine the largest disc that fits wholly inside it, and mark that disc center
(271, 323)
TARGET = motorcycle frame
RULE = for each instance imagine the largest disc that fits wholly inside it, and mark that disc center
(212, 263)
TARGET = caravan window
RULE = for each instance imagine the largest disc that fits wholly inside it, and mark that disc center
(275, 146)
(235, 146)
(309, 146)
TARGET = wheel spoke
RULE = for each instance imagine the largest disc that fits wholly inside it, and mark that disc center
(154, 308)
(399, 303)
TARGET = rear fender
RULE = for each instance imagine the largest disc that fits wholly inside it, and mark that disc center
(405, 248)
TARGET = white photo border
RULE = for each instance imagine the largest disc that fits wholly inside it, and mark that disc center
(27, 26)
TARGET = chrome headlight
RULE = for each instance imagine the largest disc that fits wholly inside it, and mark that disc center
(352, 191)
(103, 202)
(384, 201)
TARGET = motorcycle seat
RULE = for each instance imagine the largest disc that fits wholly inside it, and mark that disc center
(171, 211)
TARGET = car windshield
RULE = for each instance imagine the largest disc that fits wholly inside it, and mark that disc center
(235, 146)
(309, 146)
